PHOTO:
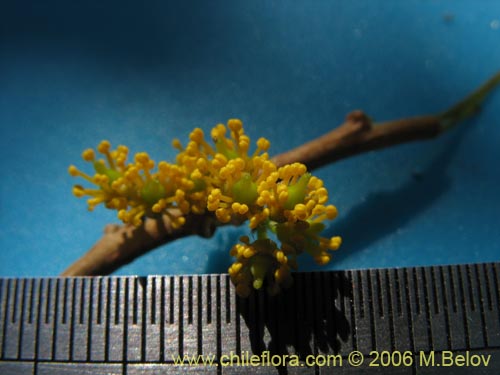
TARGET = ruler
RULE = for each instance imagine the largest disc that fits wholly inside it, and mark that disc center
(396, 318)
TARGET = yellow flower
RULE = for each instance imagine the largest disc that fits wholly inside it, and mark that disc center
(133, 189)
(228, 174)
(285, 207)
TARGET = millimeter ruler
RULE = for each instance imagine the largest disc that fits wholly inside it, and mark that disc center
(429, 320)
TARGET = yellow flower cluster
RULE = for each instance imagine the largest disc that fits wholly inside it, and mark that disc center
(285, 206)
(133, 189)
(292, 209)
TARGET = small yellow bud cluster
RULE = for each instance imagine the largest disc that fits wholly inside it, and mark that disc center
(259, 261)
(286, 203)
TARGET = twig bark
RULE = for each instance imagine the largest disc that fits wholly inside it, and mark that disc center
(357, 135)
(122, 244)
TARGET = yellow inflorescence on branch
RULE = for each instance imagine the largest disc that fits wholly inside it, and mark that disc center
(285, 206)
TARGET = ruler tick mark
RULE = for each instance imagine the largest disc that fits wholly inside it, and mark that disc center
(82, 301)
(21, 319)
(390, 309)
(371, 309)
(89, 318)
(108, 323)
(99, 300)
(453, 289)
(399, 302)
(469, 285)
(56, 315)
(171, 300)
(153, 300)
(463, 305)
(218, 318)
(487, 286)
(135, 301)
(15, 301)
(423, 285)
(359, 286)
(434, 290)
(190, 300)
(162, 319)
(117, 301)
(228, 299)
(73, 310)
(379, 293)
(416, 289)
(180, 317)
(47, 300)
(481, 309)
(31, 301)
(406, 281)
(445, 305)
(65, 301)
(209, 300)
(199, 312)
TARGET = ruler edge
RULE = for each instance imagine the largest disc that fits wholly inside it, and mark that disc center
(225, 274)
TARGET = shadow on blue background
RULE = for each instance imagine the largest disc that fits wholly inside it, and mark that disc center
(73, 73)
(396, 208)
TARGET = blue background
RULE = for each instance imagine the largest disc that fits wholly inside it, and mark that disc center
(73, 73)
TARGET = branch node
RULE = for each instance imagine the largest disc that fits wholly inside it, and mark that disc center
(359, 118)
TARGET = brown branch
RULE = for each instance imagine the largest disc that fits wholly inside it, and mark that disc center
(357, 135)
(122, 244)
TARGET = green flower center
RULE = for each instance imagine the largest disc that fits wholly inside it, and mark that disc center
(245, 190)
(112, 174)
(221, 147)
(199, 185)
(297, 192)
(152, 192)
